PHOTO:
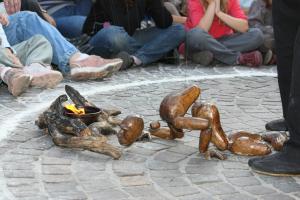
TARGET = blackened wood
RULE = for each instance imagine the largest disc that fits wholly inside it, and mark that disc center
(55, 115)
(77, 98)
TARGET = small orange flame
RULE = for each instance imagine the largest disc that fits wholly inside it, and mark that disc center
(72, 107)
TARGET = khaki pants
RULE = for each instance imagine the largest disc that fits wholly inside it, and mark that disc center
(37, 49)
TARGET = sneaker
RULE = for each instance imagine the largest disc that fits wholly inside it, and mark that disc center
(285, 163)
(17, 81)
(268, 57)
(277, 125)
(251, 59)
(128, 60)
(87, 49)
(202, 58)
(43, 76)
(94, 67)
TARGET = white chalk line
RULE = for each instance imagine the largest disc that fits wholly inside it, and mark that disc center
(6, 126)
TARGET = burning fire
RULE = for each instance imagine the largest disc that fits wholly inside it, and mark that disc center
(72, 107)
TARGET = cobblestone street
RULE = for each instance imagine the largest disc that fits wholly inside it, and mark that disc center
(32, 167)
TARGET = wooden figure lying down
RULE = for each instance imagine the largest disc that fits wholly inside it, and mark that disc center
(206, 118)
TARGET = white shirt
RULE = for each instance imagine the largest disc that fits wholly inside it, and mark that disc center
(4, 42)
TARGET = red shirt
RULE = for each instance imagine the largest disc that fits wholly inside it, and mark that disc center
(218, 29)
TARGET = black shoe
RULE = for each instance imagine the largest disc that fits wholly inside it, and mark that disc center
(173, 57)
(79, 41)
(284, 163)
(128, 61)
(202, 58)
(87, 48)
(277, 125)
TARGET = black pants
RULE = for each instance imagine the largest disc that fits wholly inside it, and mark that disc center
(286, 19)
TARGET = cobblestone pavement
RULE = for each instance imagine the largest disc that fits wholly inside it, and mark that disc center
(31, 167)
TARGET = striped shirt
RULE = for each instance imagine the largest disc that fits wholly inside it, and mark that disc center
(54, 5)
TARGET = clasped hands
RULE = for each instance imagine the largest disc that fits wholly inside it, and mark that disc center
(216, 5)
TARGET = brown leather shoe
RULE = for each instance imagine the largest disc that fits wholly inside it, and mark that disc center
(94, 67)
(43, 76)
(17, 81)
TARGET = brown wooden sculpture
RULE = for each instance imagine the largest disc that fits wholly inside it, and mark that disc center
(211, 113)
(131, 129)
(248, 144)
(87, 130)
(172, 110)
(241, 143)
(206, 117)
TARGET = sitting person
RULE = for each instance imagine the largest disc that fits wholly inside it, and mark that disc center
(260, 16)
(118, 29)
(69, 15)
(34, 6)
(66, 56)
(177, 8)
(218, 29)
(245, 4)
(26, 63)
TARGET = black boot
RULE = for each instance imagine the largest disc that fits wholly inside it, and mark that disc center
(277, 125)
(284, 163)
(172, 57)
(128, 61)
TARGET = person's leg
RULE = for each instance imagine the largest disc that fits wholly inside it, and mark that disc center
(70, 26)
(199, 40)
(293, 112)
(83, 7)
(70, 19)
(287, 39)
(34, 50)
(158, 42)
(36, 55)
(111, 40)
(24, 25)
(8, 59)
(269, 43)
(244, 42)
(285, 30)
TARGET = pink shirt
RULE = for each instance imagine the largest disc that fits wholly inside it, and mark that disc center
(218, 29)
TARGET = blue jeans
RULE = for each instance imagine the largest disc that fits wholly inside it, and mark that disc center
(148, 45)
(24, 25)
(226, 49)
(70, 19)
